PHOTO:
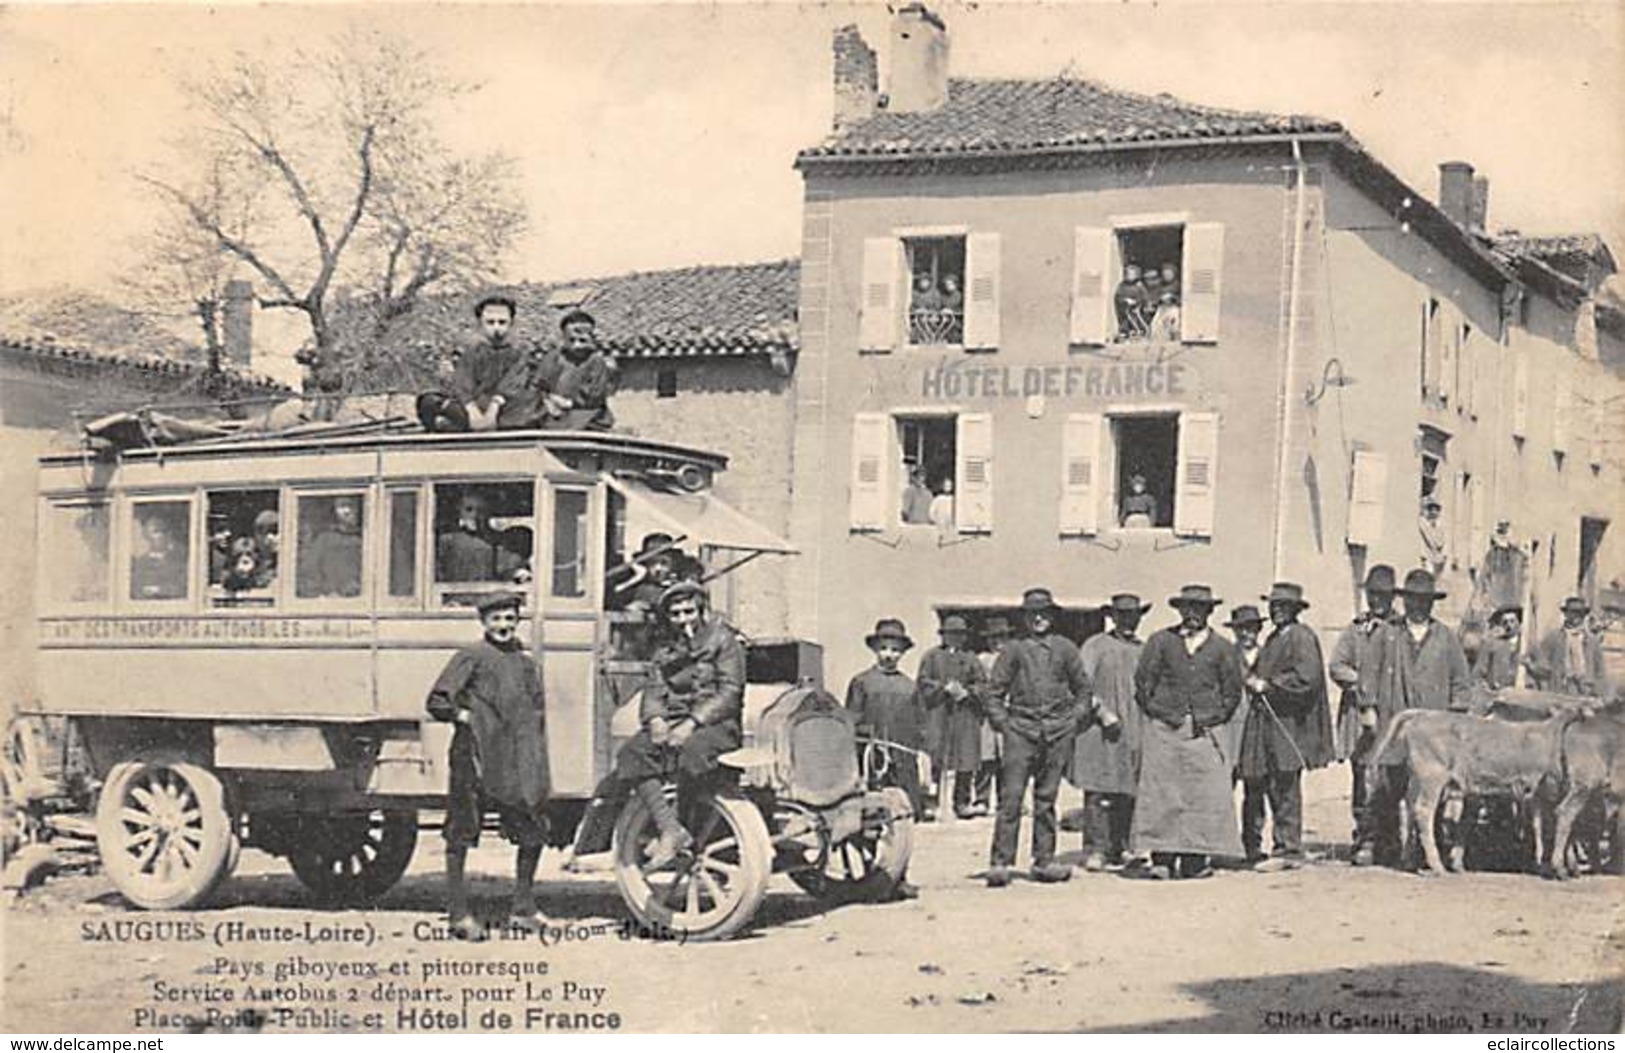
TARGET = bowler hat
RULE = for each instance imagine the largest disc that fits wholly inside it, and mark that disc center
(654, 543)
(1246, 614)
(498, 601)
(1038, 600)
(682, 590)
(1420, 582)
(996, 625)
(1380, 578)
(1125, 603)
(1576, 603)
(955, 623)
(1200, 595)
(576, 315)
(889, 629)
(1287, 592)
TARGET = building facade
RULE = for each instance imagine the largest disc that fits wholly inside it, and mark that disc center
(1322, 348)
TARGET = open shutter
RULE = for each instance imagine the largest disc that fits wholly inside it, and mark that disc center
(1520, 393)
(1093, 320)
(1430, 348)
(870, 483)
(1562, 409)
(1080, 467)
(1478, 537)
(1444, 329)
(1198, 464)
(877, 326)
(1367, 498)
(982, 281)
(1203, 282)
(974, 483)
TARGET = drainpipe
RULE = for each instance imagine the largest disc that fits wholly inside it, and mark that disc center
(1284, 396)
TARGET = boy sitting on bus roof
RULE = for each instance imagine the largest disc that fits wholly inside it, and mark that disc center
(485, 381)
(491, 690)
(574, 381)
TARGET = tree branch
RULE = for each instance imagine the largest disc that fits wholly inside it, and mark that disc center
(242, 251)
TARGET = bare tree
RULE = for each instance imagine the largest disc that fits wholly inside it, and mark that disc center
(325, 170)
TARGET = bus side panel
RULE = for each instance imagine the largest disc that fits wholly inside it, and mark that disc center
(568, 677)
(217, 682)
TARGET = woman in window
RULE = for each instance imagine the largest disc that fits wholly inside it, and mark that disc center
(1139, 507)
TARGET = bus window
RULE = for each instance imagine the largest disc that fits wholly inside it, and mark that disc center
(484, 533)
(160, 549)
(328, 559)
(403, 543)
(244, 537)
(569, 543)
(76, 565)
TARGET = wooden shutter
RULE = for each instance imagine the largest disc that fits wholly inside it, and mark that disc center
(1202, 283)
(877, 325)
(1430, 349)
(1520, 393)
(1478, 510)
(1444, 338)
(1080, 471)
(973, 485)
(1197, 476)
(982, 291)
(1562, 409)
(871, 493)
(1093, 317)
(1367, 498)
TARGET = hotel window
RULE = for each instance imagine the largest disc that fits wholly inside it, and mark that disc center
(936, 290)
(1147, 281)
(244, 528)
(922, 470)
(1141, 471)
(930, 289)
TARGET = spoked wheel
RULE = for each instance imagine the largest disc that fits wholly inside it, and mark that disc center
(353, 859)
(711, 891)
(866, 866)
(163, 831)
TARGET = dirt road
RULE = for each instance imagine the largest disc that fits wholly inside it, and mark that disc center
(1326, 948)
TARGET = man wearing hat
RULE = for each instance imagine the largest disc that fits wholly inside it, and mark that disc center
(887, 707)
(1356, 668)
(1569, 658)
(951, 686)
(485, 380)
(1246, 626)
(1497, 663)
(492, 692)
(574, 380)
(1188, 685)
(1038, 699)
(691, 712)
(1288, 729)
(1106, 759)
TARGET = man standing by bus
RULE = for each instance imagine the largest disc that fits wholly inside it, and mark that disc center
(492, 691)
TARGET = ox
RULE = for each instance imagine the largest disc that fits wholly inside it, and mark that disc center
(1475, 755)
(1593, 775)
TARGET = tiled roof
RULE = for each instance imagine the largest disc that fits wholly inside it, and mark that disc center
(1572, 254)
(1003, 116)
(719, 310)
(46, 349)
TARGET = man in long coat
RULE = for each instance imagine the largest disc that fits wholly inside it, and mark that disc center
(1356, 667)
(492, 691)
(1188, 684)
(1288, 730)
(951, 684)
(1038, 699)
(887, 706)
(1569, 658)
(1106, 760)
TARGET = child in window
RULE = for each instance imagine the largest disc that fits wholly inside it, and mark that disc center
(1139, 507)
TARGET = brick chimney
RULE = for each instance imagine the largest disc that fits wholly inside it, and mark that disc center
(857, 77)
(1456, 191)
(1480, 217)
(237, 325)
(918, 81)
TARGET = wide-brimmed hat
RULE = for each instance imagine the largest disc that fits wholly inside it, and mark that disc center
(653, 543)
(1380, 578)
(997, 625)
(954, 623)
(1200, 595)
(1246, 614)
(1039, 600)
(891, 629)
(1420, 582)
(498, 601)
(1125, 603)
(1577, 603)
(1286, 592)
(682, 590)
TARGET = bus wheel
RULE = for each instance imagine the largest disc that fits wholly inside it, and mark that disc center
(163, 832)
(710, 892)
(353, 859)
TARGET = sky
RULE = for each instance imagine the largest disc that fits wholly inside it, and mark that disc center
(663, 135)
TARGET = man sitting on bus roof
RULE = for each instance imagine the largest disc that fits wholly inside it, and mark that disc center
(485, 378)
(574, 381)
(492, 691)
